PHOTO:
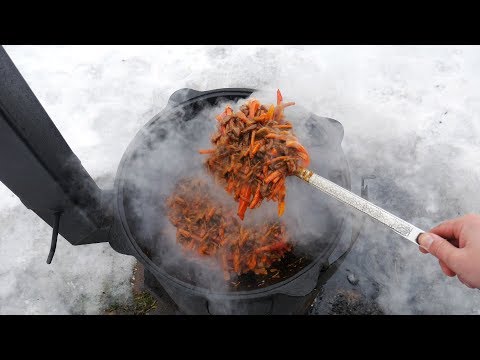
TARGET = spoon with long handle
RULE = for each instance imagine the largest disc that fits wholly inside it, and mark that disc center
(401, 227)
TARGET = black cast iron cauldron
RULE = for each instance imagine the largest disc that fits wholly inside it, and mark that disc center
(40, 168)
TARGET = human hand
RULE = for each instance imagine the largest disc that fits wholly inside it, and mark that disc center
(456, 244)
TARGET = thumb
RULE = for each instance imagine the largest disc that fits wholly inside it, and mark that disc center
(440, 248)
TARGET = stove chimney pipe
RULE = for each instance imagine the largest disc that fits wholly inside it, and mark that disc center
(38, 166)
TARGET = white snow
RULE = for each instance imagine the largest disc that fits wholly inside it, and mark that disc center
(410, 113)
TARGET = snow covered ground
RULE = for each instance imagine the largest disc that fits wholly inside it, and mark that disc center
(411, 117)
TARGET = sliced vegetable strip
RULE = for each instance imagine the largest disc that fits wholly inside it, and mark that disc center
(207, 227)
(254, 150)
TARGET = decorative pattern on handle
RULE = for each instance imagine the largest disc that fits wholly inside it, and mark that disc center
(401, 227)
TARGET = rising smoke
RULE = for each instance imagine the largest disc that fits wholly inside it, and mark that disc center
(166, 152)
(410, 118)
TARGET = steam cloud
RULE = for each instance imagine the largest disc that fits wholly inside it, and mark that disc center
(410, 118)
(169, 153)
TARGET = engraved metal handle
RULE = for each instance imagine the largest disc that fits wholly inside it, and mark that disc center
(401, 227)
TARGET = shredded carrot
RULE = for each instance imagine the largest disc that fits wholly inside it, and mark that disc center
(207, 227)
(262, 143)
(206, 151)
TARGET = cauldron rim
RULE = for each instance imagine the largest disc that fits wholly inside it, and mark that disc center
(192, 96)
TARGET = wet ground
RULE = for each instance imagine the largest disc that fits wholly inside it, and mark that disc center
(350, 291)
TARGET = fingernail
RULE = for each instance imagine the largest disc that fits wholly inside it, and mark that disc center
(425, 240)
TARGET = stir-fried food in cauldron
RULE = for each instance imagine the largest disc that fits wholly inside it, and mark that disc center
(255, 149)
(210, 228)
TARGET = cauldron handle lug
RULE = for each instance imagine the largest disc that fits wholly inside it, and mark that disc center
(357, 227)
(187, 94)
(183, 95)
(338, 129)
